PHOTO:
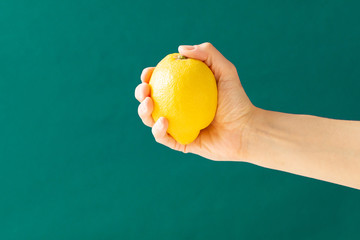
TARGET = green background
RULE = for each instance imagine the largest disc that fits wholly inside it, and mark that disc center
(77, 163)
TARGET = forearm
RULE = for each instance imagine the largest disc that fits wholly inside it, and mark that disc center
(320, 148)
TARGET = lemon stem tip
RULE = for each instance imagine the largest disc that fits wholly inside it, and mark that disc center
(181, 57)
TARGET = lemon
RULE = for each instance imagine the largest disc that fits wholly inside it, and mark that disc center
(184, 91)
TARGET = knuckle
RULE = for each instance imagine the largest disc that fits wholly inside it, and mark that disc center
(185, 149)
(207, 45)
(139, 92)
(144, 71)
(149, 104)
(156, 134)
(153, 131)
(139, 112)
(141, 109)
(142, 86)
(145, 122)
(232, 67)
(157, 139)
(136, 92)
(178, 147)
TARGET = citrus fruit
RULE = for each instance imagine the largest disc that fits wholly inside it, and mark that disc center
(184, 91)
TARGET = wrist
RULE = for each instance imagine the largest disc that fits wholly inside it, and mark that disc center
(249, 133)
(260, 134)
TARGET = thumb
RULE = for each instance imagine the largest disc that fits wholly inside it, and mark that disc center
(207, 53)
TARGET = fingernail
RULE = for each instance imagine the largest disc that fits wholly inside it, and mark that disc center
(187, 47)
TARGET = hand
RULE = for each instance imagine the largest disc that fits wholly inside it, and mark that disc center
(224, 138)
(320, 148)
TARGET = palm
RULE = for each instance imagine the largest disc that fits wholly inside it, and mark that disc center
(223, 135)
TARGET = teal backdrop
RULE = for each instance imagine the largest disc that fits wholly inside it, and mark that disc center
(76, 162)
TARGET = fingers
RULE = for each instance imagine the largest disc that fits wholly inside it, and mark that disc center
(146, 74)
(160, 127)
(142, 94)
(161, 136)
(142, 91)
(145, 109)
(207, 53)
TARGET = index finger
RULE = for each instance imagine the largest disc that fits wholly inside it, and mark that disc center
(146, 74)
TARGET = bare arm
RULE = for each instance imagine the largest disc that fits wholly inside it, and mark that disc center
(315, 147)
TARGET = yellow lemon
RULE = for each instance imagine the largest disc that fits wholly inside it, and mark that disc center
(184, 91)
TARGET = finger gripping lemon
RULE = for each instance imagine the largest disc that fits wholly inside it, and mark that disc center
(184, 91)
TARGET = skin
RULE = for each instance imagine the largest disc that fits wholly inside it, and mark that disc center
(321, 148)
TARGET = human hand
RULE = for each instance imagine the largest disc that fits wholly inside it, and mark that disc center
(225, 138)
(320, 148)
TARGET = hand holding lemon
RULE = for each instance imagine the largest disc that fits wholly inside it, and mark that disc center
(194, 102)
(181, 98)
